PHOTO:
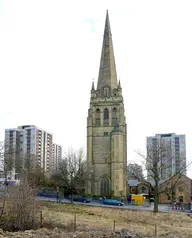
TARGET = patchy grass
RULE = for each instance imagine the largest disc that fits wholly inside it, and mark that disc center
(88, 217)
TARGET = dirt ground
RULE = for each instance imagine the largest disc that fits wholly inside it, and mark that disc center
(76, 221)
(94, 218)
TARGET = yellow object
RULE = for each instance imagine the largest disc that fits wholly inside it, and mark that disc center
(138, 199)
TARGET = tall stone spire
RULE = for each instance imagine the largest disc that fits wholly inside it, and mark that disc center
(107, 71)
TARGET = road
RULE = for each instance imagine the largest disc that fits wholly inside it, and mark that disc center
(162, 207)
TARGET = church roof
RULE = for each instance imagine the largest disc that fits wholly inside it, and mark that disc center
(133, 182)
(107, 71)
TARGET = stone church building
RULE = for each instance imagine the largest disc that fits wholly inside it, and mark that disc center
(106, 128)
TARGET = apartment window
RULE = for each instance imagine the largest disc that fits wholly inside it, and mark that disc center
(105, 133)
(182, 142)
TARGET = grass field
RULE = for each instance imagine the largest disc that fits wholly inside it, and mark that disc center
(97, 218)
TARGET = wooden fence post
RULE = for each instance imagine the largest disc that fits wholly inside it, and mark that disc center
(114, 225)
(155, 229)
(75, 220)
(41, 219)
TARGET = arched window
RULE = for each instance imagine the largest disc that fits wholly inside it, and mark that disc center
(106, 117)
(106, 114)
(104, 186)
(114, 116)
(97, 118)
(143, 190)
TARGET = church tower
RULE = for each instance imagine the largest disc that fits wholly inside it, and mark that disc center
(106, 128)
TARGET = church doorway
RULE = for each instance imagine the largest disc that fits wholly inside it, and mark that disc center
(104, 186)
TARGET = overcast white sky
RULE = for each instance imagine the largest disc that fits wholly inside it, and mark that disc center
(50, 51)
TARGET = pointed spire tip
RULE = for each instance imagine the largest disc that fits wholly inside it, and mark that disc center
(107, 24)
(119, 86)
(107, 62)
(93, 85)
(107, 13)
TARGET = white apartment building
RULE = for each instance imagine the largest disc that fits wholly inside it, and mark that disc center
(57, 156)
(174, 158)
(34, 148)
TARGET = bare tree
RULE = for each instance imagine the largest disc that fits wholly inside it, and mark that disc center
(12, 162)
(7, 164)
(33, 170)
(19, 209)
(72, 171)
(135, 171)
(1, 152)
(1, 157)
(22, 208)
(158, 164)
(7, 161)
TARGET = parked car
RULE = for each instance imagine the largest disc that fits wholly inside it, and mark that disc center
(48, 194)
(112, 202)
(77, 198)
